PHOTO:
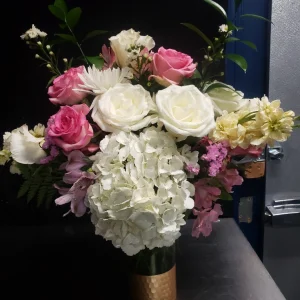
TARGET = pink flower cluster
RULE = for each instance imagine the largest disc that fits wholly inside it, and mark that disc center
(215, 156)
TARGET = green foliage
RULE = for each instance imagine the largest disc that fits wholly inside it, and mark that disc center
(216, 85)
(217, 6)
(225, 195)
(57, 12)
(67, 37)
(62, 5)
(256, 17)
(200, 33)
(73, 17)
(94, 33)
(95, 60)
(38, 182)
(239, 60)
(51, 80)
(248, 43)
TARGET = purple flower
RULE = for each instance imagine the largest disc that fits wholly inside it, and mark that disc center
(76, 194)
(216, 153)
(193, 169)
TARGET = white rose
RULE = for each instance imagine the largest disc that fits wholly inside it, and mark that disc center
(128, 44)
(26, 148)
(124, 107)
(226, 99)
(185, 111)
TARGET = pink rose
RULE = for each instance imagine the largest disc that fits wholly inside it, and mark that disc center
(62, 91)
(69, 128)
(170, 66)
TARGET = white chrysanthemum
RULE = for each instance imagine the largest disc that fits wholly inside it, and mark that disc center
(141, 193)
(98, 82)
(32, 33)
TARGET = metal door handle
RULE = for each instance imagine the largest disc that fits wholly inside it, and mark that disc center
(275, 152)
(284, 212)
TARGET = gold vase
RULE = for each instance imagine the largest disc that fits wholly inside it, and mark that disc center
(154, 287)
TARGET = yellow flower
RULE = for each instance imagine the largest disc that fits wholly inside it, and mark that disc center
(228, 129)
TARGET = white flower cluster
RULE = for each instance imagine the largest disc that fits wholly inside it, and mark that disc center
(142, 191)
(33, 33)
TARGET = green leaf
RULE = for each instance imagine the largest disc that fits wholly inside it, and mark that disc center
(225, 196)
(256, 17)
(62, 26)
(297, 118)
(70, 63)
(94, 33)
(24, 188)
(239, 60)
(196, 75)
(217, 6)
(250, 44)
(50, 81)
(62, 5)
(237, 4)
(231, 26)
(199, 32)
(216, 85)
(25, 171)
(57, 12)
(231, 39)
(73, 17)
(95, 60)
(66, 37)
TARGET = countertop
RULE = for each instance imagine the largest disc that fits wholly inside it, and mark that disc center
(70, 262)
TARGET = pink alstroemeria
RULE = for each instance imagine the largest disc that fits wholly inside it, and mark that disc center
(76, 194)
(252, 150)
(205, 194)
(76, 160)
(229, 178)
(108, 56)
(205, 218)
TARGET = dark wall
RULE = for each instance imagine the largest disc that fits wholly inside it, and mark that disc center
(26, 100)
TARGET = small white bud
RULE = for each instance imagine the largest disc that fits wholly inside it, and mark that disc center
(39, 43)
(37, 56)
(51, 53)
(209, 47)
(48, 47)
(65, 60)
(49, 66)
(205, 57)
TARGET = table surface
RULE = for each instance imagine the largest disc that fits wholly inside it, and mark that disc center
(69, 262)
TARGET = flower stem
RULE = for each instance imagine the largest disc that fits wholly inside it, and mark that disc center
(78, 45)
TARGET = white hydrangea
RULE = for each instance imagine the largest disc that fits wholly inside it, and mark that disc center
(142, 192)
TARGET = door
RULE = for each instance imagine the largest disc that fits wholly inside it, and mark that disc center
(282, 238)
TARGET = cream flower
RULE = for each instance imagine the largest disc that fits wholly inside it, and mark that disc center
(141, 191)
(124, 107)
(275, 124)
(223, 28)
(128, 44)
(4, 157)
(226, 99)
(228, 129)
(32, 33)
(26, 148)
(185, 111)
(38, 131)
(98, 82)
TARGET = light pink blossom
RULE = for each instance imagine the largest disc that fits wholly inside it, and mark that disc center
(171, 67)
(76, 194)
(63, 91)
(108, 56)
(205, 194)
(229, 178)
(205, 218)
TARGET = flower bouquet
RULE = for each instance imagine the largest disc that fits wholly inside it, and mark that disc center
(142, 140)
